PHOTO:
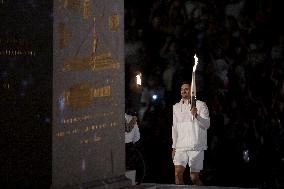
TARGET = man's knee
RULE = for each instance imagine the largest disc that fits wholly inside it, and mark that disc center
(178, 174)
(178, 178)
(195, 178)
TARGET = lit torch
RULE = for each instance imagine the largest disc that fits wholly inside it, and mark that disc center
(193, 85)
(138, 79)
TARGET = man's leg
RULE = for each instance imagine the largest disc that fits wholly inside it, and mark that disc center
(129, 157)
(197, 158)
(179, 169)
(195, 178)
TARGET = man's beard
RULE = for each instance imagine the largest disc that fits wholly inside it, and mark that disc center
(185, 96)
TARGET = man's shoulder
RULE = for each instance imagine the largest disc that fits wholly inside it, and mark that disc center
(201, 103)
(176, 104)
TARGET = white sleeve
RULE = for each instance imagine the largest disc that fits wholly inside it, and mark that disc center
(136, 135)
(127, 117)
(203, 117)
(174, 129)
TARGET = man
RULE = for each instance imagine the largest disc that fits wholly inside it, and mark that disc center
(189, 135)
(132, 135)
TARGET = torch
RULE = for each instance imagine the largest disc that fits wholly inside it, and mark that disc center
(193, 85)
(138, 79)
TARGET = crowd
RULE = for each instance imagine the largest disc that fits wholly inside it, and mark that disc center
(240, 46)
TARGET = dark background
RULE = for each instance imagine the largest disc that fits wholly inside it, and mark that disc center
(25, 93)
(239, 44)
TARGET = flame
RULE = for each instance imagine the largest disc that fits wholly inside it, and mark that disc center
(195, 62)
(138, 79)
(193, 85)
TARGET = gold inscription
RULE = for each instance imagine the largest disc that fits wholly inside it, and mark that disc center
(95, 39)
(87, 129)
(86, 9)
(102, 92)
(104, 61)
(90, 140)
(82, 95)
(71, 4)
(64, 35)
(79, 96)
(71, 120)
(16, 47)
(16, 53)
(95, 62)
(113, 22)
(99, 62)
(77, 64)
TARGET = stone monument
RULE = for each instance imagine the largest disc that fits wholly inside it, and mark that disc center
(88, 93)
(62, 103)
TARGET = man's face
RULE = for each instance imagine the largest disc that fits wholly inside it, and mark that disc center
(185, 91)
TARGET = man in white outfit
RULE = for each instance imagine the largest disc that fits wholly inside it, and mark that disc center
(189, 135)
(132, 135)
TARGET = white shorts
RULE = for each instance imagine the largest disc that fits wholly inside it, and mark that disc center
(194, 159)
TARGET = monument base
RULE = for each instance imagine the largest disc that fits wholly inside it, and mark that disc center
(173, 186)
(131, 174)
(113, 183)
(116, 182)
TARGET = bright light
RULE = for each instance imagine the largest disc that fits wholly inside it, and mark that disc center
(154, 97)
(195, 62)
(193, 85)
(139, 79)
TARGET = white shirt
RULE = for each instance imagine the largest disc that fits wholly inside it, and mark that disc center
(188, 133)
(134, 135)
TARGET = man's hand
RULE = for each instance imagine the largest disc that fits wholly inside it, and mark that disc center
(173, 153)
(194, 111)
(133, 121)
